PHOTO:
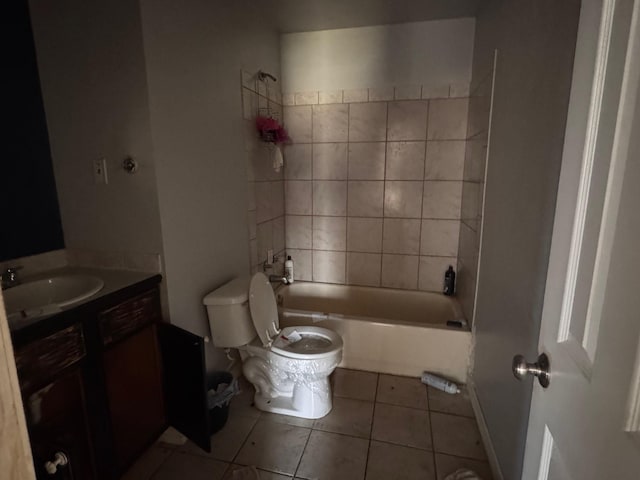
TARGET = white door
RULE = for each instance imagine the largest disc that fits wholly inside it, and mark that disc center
(586, 424)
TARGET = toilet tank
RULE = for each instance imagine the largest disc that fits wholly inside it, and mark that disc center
(229, 315)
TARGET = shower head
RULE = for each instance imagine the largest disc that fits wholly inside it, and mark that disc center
(263, 76)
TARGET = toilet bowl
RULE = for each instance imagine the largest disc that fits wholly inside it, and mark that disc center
(289, 368)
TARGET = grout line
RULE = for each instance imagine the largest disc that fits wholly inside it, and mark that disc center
(373, 417)
(306, 444)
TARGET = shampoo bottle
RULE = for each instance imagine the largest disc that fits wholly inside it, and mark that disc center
(288, 269)
(449, 281)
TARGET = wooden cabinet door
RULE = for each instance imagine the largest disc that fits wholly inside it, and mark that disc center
(133, 380)
(57, 422)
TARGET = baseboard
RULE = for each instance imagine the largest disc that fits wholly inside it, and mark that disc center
(484, 431)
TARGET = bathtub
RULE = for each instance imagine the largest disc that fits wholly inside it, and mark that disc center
(399, 332)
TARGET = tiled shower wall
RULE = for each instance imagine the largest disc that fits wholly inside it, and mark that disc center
(473, 189)
(266, 186)
(373, 184)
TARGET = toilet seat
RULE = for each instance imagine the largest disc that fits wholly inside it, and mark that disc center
(316, 343)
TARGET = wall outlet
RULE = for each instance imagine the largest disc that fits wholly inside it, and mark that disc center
(100, 171)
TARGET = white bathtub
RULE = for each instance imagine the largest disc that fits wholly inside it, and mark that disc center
(387, 331)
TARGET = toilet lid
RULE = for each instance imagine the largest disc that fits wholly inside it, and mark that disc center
(264, 311)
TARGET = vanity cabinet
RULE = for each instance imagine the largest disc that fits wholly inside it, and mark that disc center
(101, 382)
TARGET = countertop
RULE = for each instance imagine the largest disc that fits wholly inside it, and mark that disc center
(118, 285)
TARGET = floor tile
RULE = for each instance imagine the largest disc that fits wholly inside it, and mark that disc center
(456, 436)
(387, 461)
(330, 456)
(243, 403)
(264, 474)
(403, 391)
(148, 463)
(401, 425)
(182, 465)
(458, 404)
(354, 384)
(225, 443)
(446, 464)
(348, 416)
(287, 419)
(274, 446)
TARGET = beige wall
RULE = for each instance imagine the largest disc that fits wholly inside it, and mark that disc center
(91, 63)
(378, 56)
(194, 58)
(535, 42)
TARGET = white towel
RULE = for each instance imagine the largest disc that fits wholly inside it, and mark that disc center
(278, 160)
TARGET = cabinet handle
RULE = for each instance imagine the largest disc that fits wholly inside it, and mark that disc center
(60, 459)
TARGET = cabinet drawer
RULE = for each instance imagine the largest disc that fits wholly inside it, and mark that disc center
(39, 360)
(129, 316)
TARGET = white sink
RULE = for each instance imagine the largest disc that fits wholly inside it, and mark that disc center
(43, 297)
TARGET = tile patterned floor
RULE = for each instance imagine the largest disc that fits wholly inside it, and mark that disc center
(382, 427)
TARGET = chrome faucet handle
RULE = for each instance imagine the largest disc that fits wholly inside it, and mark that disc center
(10, 276)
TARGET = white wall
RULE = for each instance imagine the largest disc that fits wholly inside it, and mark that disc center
(194, 56)
(434, 52)
(535, 42)
(91, 64)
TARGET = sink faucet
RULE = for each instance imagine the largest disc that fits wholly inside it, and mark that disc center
(279, 278)
(10, 277)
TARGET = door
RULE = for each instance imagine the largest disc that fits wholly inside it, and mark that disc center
(585, 424)
(185, 383)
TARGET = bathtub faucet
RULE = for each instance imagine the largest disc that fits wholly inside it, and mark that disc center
(279, 278)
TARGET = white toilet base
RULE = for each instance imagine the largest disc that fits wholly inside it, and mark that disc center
(306, 401)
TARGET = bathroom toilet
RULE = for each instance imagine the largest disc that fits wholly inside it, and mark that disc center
(289, 368)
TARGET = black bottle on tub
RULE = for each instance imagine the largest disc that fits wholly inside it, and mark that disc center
(449, 281)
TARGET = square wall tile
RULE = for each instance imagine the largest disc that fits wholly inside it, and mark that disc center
(439, 238)
(367, 122)
(445, 160)
(366, 161)
(329, 233)
(366, 198)
(401, 236)
(263, 201)
(354, 384)
(381, 94)
(278, 234)
(402, 426)
(251, 221)
(408, 92)
(297, 121)
(363, 269)
(330, 161)
(405, 160)
(407, 120)
(364, 234)
(253, 252)
(435, 91)
(306, 98)
(333, 456)
(329, 267)
(329, 197)
(356, 95)
(298, 231)
(277, 198)
(432, 270)
(448, 119)
(442, 200)
(288, 99)
(298, 197)
(459, 90)
(402, 199)
(280, 456)
(297, 161)
(400, 271)
(330, 123)
(333, 96)
(301, 264)
(387, 461)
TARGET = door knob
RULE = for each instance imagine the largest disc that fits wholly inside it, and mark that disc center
(59, 460)
(538, 369)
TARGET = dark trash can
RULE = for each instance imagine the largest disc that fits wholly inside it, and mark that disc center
(218, 415)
